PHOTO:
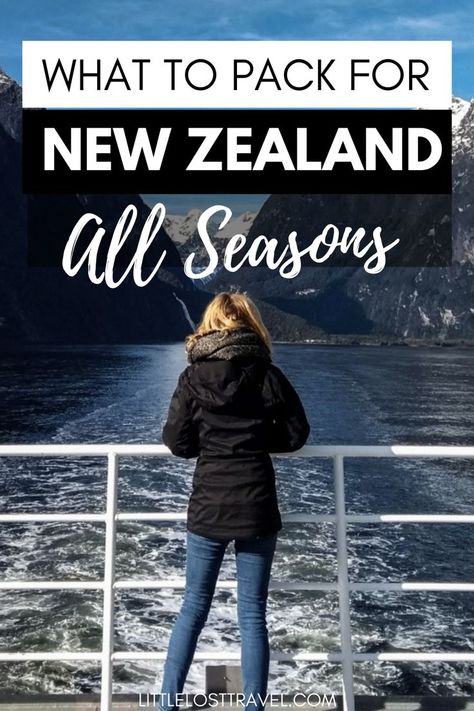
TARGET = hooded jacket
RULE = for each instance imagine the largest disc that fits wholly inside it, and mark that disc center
(231, 408)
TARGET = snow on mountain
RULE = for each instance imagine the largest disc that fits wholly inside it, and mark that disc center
(459, 109)
(4, 78)
(10, 105)
(183, 229)
(237, 225)
(45, 305)
(463, 126)
(409, 303)
(463, 182)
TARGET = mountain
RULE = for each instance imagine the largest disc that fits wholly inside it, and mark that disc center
(43, 304)
(401, 303)
(183, 231)
(10, 106)
(459, 108)
(463, 182)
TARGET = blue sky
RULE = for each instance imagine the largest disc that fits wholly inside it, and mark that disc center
(245, 19)
(182, 203)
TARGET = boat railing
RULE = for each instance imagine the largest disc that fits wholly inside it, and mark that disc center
(109, 583)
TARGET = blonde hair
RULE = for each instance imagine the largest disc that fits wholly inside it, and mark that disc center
(227, 311)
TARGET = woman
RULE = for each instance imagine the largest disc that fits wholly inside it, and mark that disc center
(231, 408)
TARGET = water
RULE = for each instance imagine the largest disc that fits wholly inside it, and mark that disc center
(353, 396)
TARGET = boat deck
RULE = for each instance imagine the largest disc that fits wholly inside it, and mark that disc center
(128, 702)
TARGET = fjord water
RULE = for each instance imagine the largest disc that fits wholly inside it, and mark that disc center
(353, 395)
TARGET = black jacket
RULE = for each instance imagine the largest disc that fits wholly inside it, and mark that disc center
(231, 408)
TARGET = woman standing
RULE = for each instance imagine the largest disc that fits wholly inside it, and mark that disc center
(231, 408)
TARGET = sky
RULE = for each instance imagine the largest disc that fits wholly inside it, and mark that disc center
(179, 204)
(247, 19)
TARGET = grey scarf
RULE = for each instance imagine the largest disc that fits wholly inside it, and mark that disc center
(228, 344)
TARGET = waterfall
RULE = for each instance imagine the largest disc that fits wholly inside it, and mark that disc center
(185, 311)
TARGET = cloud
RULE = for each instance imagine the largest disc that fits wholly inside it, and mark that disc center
(438, 25)
(266, 19)
(245, 20)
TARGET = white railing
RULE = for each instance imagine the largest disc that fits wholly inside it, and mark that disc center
(109, 584)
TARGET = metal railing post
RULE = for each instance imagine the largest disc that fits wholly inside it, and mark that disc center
(343, 586)
(109, 576)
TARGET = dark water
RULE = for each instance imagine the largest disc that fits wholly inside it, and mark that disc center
(353, 396)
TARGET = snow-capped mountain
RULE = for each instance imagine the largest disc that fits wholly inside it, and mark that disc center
(41, 303)
(4, 78)
(428, 303)
(181, 227)
(459, 109)
(463, 182)
(10, 105)
(183, 231)
(431, 304)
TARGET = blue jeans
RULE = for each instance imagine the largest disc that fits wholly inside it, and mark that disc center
(203, 561)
